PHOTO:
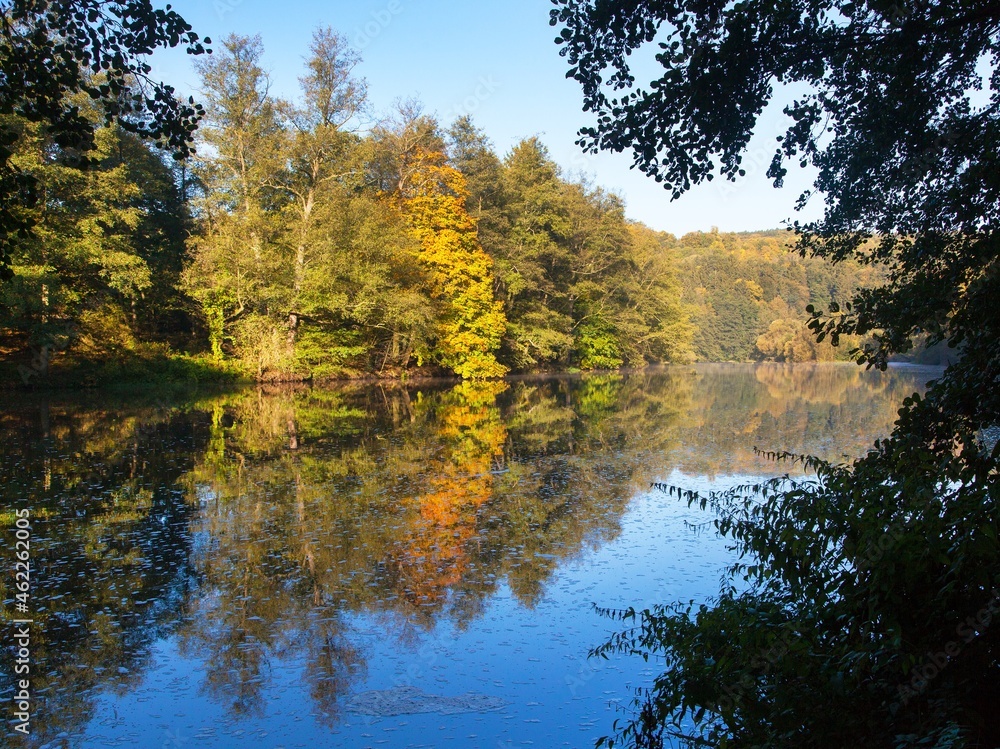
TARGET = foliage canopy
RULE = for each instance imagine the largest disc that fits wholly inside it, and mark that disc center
(52, 51)
(831, 639)
(369, 252)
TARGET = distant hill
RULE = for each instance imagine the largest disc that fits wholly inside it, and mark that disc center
(747, 294)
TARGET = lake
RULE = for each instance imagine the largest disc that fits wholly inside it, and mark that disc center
(381, 565)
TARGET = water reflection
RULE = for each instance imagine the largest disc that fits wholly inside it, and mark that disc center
(271, 531)
(831, 410)
(110, 547)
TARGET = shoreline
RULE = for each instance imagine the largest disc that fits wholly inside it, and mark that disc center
(184, 372)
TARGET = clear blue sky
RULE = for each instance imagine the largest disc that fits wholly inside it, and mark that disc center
(497, 62)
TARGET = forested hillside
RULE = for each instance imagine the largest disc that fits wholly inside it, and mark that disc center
(747, 295)
(312, 239)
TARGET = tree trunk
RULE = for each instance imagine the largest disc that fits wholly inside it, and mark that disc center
(293, 325)
(299, 271)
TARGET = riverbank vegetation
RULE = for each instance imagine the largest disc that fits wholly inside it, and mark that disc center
(310, 239)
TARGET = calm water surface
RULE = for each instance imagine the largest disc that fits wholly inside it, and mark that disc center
(382, 566)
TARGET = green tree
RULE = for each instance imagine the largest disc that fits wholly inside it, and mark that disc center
(353, 288)
(362, 300)
(655, 321)
(580, 284)
(533, 262)
(317, 152)
(833, 637)
(598, 244)
(105, 250)
(233, 257)
(738, 285)
(49, 53)
(162, 313)
(470, 151)
(329, 286)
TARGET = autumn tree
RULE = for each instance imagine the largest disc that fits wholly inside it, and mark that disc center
(412, 170)
(302, 270)
(472, 323)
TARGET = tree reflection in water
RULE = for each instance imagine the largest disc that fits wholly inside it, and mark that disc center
(255, 527)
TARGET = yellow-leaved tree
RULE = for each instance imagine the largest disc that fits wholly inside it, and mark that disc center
(472, 323)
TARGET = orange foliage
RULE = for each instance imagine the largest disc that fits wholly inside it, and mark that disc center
(460, 272)
(436, 553)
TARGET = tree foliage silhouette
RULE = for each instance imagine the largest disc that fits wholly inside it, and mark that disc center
(51, 51)
(856, 582)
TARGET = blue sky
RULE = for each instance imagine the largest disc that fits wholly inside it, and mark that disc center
(497, 62)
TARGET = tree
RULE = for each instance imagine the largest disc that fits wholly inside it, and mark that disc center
(715, 267)
(580, 286)
(232, 257)
(50, 52)
(351, 285)
(460, 273)
(657, 324)
(317, 152)
(410, 167)
(328, 286)
(106, 247)
(834, 638)
(533, 263)
(470, 151)
(787, 340)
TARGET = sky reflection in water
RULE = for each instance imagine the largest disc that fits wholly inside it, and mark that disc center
(264, 567)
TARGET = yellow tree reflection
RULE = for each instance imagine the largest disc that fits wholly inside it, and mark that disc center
(435, 553)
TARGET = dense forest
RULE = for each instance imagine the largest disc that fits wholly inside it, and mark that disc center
(747, 293)
(310, 239)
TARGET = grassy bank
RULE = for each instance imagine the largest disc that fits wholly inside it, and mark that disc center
(153, 369)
